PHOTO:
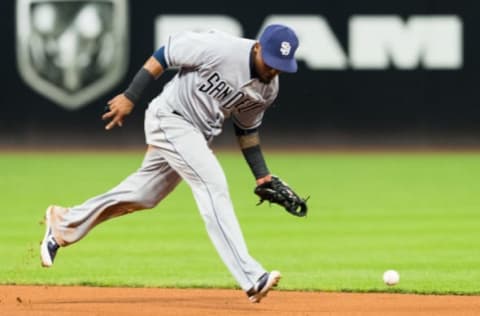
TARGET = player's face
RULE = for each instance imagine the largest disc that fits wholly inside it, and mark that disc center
(265, 73)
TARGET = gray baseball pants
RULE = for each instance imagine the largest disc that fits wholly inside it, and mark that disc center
(177, 151)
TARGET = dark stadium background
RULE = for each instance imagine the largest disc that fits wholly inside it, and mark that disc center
(350, 107)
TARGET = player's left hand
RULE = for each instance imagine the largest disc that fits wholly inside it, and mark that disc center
(278, 192)
(118, 107)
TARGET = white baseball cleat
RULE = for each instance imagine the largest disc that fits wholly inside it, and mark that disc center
(49, 246)
(264, 284)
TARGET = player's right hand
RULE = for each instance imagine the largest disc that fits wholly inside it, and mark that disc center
(119, 107)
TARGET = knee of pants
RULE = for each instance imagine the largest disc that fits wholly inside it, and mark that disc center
(145, 199)
(213, 182)
(212, 199)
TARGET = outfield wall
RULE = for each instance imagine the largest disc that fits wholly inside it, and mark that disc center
(371, 72)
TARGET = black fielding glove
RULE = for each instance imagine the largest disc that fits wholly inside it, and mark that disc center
(278, 192)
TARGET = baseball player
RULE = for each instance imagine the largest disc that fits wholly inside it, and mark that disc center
(219, 76)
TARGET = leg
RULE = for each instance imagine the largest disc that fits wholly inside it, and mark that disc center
(143, 189)
(188, 153)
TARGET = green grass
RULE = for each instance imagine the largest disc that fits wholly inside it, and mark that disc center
(416, 213)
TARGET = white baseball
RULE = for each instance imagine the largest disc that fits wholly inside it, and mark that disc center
(391, 277)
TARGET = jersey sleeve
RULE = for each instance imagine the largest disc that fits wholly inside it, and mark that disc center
(248, 120)
(250, 115)
(189, 49)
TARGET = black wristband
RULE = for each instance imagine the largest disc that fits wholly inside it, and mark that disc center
(255, 160)
(242, 132)
(139, 83)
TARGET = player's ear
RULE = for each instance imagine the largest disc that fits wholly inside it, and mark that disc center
(257, 48)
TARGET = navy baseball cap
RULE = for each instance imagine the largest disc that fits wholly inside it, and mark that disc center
(279, 44)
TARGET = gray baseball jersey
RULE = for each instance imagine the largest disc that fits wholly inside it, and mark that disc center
(214, 81)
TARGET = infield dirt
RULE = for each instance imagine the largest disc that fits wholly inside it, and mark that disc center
(61, 301)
